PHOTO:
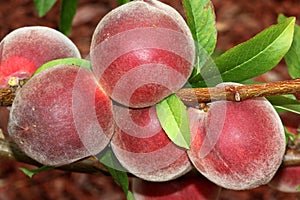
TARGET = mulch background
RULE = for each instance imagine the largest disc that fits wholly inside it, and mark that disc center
(237, 21)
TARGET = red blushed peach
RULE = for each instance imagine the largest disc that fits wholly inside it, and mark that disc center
(61, 115)
(144, 149)
(237, 145)
(287, 179)
(27, 48)
(142, 52)
(15, 66)
(187, 187)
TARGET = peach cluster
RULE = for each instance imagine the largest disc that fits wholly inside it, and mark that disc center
(141, 52)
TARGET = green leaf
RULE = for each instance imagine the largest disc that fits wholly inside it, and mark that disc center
(121, 2)
(285, 103)
(65, 61)
(109, 160)
(67, 13)
(172, 115)
(30, 173)
(43, 6)
(292, 58)
(289, 136)
(281, 18)
(201, 20)
(253, 57)
(298, 188)
(130, 196)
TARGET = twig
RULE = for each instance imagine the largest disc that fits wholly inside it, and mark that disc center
(291, 158)
(91, 165)
(7, 96)
(292, 154)
(194, 96)
(9, 150)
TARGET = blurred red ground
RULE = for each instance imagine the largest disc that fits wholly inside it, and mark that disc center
(237, 21)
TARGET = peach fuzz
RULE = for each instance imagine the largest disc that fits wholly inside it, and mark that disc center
(237, 145)
(61, 115)
(144, 149)
(27, 48)
(141, 52)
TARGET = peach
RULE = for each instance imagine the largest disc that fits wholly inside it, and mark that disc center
(237, 145)
(27, 48)
(144, 149)
(141, 52)
(61, 115)
(287, 179)
(15, 66)
(187, 187)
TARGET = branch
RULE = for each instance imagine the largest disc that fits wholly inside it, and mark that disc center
(7, 96)
(291, 158)
(292, 154)
(91, 165)
(194, 96)
(190, 97)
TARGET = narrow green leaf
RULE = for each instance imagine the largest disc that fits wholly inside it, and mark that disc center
(172, 115)
(292, 58)
(43, 6)
(298, 188)
(112, 164)
(253, 57)
(31, 172)
(121, 2)
(67, 13)
(201, 20)
(65, 61)
(285, 103)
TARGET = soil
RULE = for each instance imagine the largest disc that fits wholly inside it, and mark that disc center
(237, 21)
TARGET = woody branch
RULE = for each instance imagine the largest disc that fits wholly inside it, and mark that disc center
(190, 97)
